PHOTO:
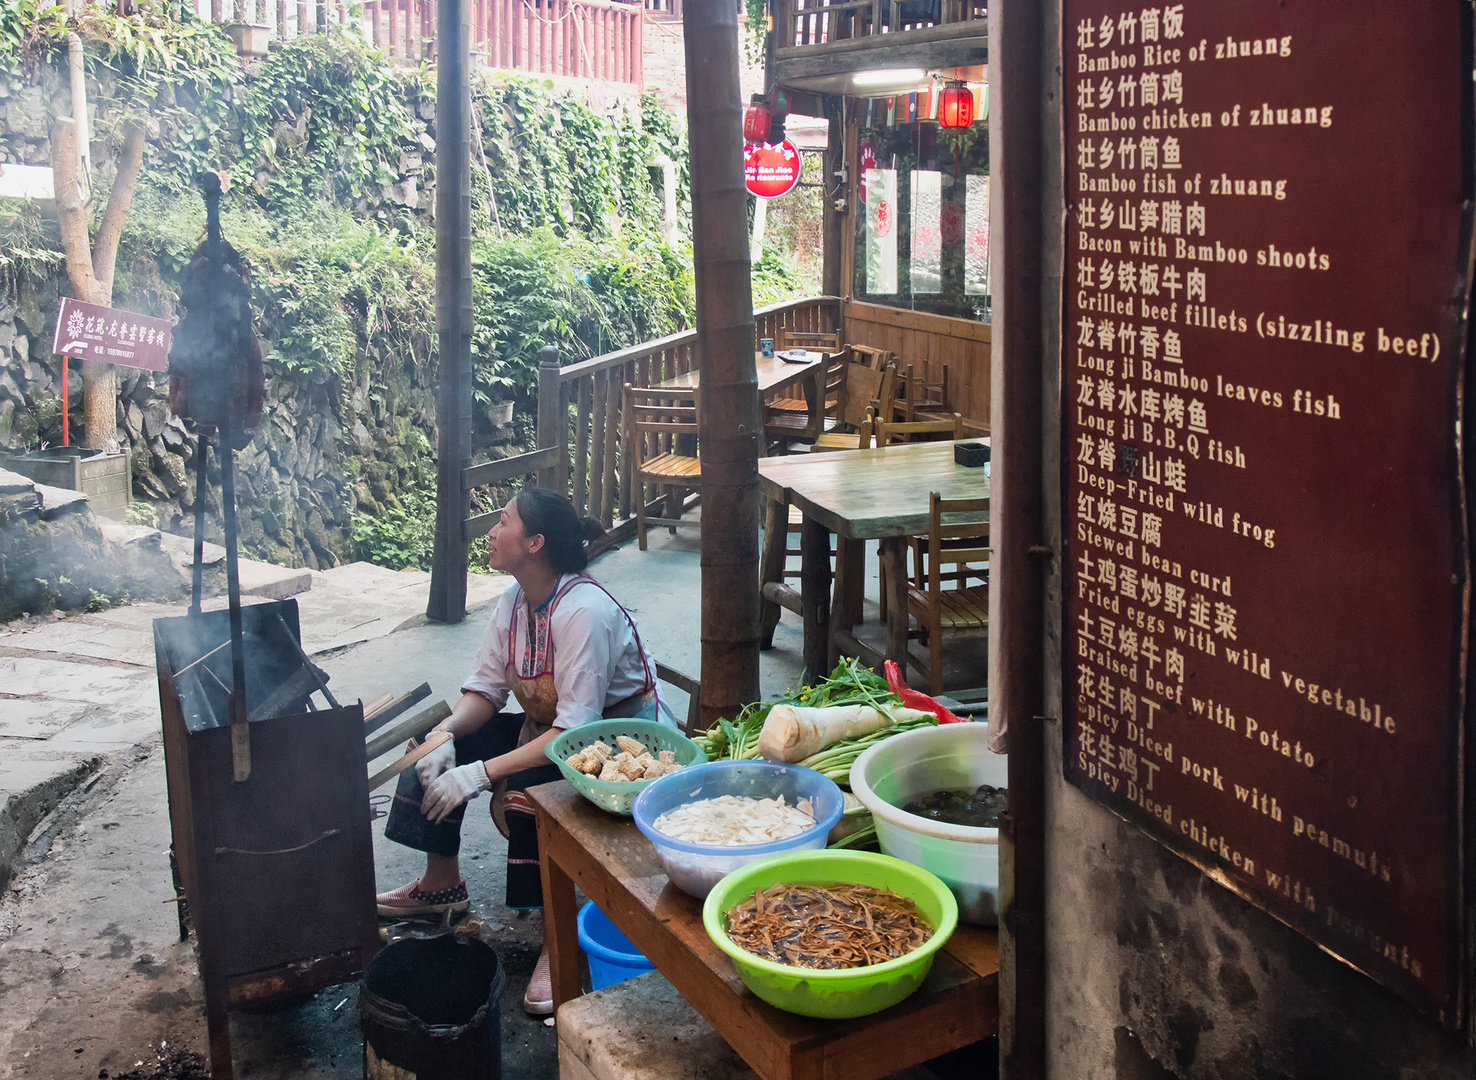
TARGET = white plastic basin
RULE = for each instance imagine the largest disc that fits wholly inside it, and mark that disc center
(905, 767)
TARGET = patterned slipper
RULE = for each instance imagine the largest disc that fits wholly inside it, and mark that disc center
(409, 900)
(538, 998)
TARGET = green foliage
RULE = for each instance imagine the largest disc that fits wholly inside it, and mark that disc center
(325, 118)
(571, 253)
(775, 279)
(179, 72)
(399, 536)
(151, 50)
(328, 286)
(28, 29)
(582, 298)
(556, 163)
(757, 15)
(30, 243)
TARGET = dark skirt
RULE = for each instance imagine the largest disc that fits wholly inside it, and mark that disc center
(406, 824)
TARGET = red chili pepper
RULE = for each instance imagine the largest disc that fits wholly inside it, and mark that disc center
(916, 699)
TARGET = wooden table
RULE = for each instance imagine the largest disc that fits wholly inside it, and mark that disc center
(877, 494)
(616, 867)
(774, 373)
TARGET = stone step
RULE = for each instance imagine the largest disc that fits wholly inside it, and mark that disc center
(273, 582)
(643, 1029)
(266, 580)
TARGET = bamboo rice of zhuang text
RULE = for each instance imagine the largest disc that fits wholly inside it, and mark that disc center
(839, 926)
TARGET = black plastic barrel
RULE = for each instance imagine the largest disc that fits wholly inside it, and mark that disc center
(431, 1008)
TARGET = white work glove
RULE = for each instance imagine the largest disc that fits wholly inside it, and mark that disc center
(440, 760)
(453, 788)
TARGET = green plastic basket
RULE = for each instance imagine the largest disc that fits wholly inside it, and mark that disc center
(618, 798)
(846, 992)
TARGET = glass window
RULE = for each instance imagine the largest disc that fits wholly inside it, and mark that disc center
(976, 240)
(881, 231)
(921, 225)
(927, 231)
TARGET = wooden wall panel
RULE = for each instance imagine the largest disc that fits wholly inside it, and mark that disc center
(916, 336)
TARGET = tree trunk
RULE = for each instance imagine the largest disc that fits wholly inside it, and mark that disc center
(731, 421)
(91, 268)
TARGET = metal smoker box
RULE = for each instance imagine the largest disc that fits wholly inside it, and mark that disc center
(277, 871)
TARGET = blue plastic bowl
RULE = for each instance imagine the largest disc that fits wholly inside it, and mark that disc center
(612, 958)
(696, 868)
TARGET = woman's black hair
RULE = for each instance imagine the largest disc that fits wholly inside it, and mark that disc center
(564, 532)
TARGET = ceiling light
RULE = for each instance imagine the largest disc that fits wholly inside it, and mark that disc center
(892, 75)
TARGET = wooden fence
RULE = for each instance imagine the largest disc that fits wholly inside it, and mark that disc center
(580, 410)
(577, 39)
(817, 22)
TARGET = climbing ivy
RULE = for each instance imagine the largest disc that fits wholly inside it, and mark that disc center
(325, 118)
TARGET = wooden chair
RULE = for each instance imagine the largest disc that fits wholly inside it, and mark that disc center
(870, 355)
(657, 425)
(950, 427)
(862, 393)
(827, 341)
(690, 686)
(923, 392)
(963, 610)
(787, 419)
(946, 427)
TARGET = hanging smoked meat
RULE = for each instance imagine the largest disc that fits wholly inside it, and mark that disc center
(215, 363)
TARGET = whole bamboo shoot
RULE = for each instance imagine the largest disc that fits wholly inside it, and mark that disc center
(793, 733)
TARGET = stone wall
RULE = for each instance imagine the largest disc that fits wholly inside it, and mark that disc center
(322, 447)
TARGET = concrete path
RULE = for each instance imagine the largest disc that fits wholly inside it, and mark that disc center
(77, 689)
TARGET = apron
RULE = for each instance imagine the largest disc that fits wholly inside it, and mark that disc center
(532, 680)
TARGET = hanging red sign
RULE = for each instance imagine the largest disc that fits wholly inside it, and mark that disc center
(771, 169)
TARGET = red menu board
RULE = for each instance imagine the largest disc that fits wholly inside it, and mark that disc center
(1264, 302)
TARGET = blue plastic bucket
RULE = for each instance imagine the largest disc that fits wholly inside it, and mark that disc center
(612, 958)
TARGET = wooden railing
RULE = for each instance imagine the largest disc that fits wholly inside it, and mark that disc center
(580, 410)
(577, 39)
(817, 22)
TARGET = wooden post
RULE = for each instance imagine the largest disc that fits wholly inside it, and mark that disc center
(453, 313)
(553, 420)
(832, 222)
(731, 422)
(1017, 567)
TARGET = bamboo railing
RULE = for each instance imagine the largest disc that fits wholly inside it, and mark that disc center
(580, 408)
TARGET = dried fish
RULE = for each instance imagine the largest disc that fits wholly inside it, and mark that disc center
(837, 926)
(736, 819)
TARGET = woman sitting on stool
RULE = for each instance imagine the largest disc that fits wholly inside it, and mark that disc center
(572, 655)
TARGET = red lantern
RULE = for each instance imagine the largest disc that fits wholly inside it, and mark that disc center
(756, 122)
(955, 106)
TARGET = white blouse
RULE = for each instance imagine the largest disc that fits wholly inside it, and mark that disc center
(588, 640)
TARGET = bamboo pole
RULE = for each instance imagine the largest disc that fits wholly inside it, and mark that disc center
(731, 424)
(1018, 556)
(453, 312)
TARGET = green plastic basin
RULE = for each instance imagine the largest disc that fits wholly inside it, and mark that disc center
(834, 995)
